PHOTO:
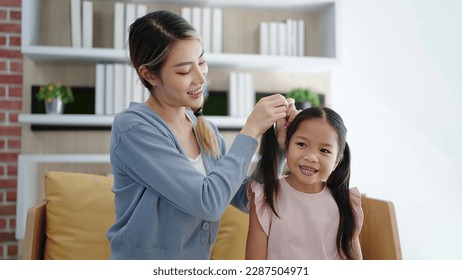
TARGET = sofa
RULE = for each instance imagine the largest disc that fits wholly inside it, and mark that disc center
(72, 221)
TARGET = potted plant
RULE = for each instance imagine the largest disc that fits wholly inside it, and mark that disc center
(304, 98)
(55, 95)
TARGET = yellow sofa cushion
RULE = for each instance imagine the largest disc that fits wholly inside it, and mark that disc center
(79, 211)
(232, 235)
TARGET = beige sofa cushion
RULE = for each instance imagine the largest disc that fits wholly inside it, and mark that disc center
(79, 211)
(232, 235)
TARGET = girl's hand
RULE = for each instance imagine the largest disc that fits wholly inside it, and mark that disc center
(283, 124)
(267, 111)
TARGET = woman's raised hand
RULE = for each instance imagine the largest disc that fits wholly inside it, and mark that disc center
(266, 112)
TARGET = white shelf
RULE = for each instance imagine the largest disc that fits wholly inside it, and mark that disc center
(222, 122)
(243, 61)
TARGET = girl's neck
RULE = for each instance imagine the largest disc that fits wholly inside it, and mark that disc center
(305, 188)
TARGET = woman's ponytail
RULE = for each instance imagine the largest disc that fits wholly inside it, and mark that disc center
(206, 136)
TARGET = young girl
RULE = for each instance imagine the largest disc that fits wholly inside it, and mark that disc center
(310, 213)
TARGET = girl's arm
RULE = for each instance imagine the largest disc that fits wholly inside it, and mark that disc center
(356, 246)
(257, 241)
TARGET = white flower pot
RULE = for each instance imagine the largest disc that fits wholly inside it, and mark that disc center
(55, 106)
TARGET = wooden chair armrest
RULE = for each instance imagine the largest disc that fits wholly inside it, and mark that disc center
(34, 240)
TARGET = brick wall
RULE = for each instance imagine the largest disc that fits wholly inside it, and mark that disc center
(10, 129)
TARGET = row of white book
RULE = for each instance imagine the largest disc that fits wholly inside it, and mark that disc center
(283, 38)
(116, 85)
(124, 15)
(208, 22)
(241, 94)
(82, 22)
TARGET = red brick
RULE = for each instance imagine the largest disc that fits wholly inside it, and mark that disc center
(8, 184)
(12, 223)
(11, 79)
(1, 196)
(2, 223)
(13, 117)
(10, 53)
(7, 236)
(16, 67)
(14, 144)
(10, 28)
(11, 196)
(8, 157)
(11, 105)
(15, 41)
(2, 117)
(12, 250)
(3, 14)
(11, 3)
(2, 66)
(2, 91)
(15, 15)
(12, 170)
(7, 209)
(10, 131)
(2, 173)
(15, 91)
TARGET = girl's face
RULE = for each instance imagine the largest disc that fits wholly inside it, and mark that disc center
(312, 155)
(182, 77)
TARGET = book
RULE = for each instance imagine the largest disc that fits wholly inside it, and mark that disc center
(264, 38)
(233, 98)
(282, 40)
(128, 91)
(217, 30)
(141, 10)
(130, 17)
(301, 37)
(196, 19)
(273, 38)
(100, 78)
(137, 94)
(206, 29)
(249, 101)
(186, 13)
(109, 90)
(87, 24)
(76, 24)
(119, 25)
(119, 87)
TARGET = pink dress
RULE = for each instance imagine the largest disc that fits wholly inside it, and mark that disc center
(307, 225)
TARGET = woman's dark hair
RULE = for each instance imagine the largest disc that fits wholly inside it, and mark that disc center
(338, 181)
(150, 39)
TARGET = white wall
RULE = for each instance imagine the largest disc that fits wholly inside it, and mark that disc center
(398, 87)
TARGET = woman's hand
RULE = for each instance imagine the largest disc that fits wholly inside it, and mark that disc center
(283, 124)
(266, 112)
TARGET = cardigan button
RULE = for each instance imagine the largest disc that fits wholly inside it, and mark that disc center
(206, 226)
(204, 239)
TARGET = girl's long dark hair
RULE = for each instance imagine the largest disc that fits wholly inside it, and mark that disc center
(338, 182)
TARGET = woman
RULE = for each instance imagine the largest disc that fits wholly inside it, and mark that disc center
(173, 178)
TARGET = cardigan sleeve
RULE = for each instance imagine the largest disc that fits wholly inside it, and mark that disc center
(152, 156)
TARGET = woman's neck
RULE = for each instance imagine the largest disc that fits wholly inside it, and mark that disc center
(174, 116)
